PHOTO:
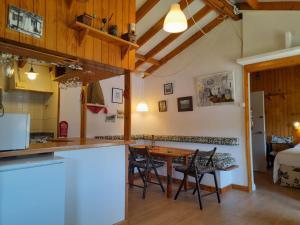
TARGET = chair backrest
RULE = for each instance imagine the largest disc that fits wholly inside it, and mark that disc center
(136, 153)
(206, 155)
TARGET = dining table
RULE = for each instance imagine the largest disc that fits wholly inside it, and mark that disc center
(168, 154)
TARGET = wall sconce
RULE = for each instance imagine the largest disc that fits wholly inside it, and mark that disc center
(142, 107)
(296, 125)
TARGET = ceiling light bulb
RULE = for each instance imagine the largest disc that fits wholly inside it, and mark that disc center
(175, 20)
(142, 107)
(296, 125)
(31, 74)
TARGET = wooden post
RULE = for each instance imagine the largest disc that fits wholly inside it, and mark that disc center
(127, 106)
(83, 110)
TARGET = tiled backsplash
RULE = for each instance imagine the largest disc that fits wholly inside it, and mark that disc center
(41, 107)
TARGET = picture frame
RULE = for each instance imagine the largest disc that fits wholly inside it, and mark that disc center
(215, 89)
(25, 22)
(117, 95)
(185, 104)
(162, 106)
(168, 89)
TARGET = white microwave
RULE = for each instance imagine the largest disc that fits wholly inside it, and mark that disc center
(14, 131)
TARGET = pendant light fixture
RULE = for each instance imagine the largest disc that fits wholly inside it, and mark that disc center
(31, 74)
(175, 21)
(142, 105)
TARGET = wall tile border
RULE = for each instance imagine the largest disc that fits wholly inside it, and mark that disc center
(230, 141)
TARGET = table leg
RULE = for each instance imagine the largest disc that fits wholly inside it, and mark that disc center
(186, 183)
(169, 176)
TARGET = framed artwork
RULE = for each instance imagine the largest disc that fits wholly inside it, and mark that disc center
(185, 104)
(117, 95)
(168, 89)
(25, 22)
(162, 106)
(215, 89)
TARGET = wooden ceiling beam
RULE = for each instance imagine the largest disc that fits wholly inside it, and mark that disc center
(224, 8)
(253, 4)
(144, 9)
(158, 25)
(210, 26)
(271, 6)
(197, 16)
(143, 59)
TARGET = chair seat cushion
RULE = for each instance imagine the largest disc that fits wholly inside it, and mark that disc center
(200, 169)
(142, 164)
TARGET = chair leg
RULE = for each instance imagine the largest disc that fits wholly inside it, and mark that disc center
(198, 192)
(159, 180)
(145, 182)
(180, 187)
(200, 179)
(217, 187)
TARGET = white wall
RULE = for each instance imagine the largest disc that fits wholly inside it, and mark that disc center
(215, 53)
(96, 125)
(264, 31)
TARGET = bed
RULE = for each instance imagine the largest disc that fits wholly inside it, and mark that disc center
(287, 167)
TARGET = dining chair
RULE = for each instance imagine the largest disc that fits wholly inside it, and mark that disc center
(198, 170)
(141, 159)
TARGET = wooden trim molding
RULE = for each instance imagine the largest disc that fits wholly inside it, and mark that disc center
(127, 106)
(145, 8)
(271, 64)
(270, 5)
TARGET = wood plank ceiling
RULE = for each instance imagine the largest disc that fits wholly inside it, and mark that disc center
(157, 47)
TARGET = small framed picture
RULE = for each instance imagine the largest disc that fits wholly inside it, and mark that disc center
(162, 106)
(168, 89)
(117, 95)
(185, 104)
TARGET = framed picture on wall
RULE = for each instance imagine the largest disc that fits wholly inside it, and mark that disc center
(168, 89)
(162, 106)
(185, 104)
(117, 95)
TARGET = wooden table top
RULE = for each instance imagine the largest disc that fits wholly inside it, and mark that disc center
(167, 151)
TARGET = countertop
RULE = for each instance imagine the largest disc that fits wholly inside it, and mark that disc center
(56, 145)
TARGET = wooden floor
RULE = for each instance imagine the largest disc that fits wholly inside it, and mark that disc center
(269, 205)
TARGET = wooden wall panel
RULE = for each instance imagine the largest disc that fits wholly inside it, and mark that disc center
(81, 8)
(10, 34)
(61, 26)
(104, 47)
(59, 36)
(71, 33)
(125, 29)
(119, 19)
(89, 44)
(39, 9)
(282, 98)
(27, 5)
(112, 47)
(50, 28)
(2, 18)
(132, 10)
(97, 24)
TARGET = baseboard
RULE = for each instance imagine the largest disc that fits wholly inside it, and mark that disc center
(240, 187)
(192, 185)
(123, 222)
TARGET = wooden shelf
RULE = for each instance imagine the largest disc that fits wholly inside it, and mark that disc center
(84, 30)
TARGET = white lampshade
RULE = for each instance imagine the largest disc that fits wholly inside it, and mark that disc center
(31, 74)
(142, 107)
(175, 20)
(296, 125)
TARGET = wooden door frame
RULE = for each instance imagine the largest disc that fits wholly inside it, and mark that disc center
(248, 69)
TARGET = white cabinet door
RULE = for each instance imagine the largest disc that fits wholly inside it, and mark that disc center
(32, 195)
